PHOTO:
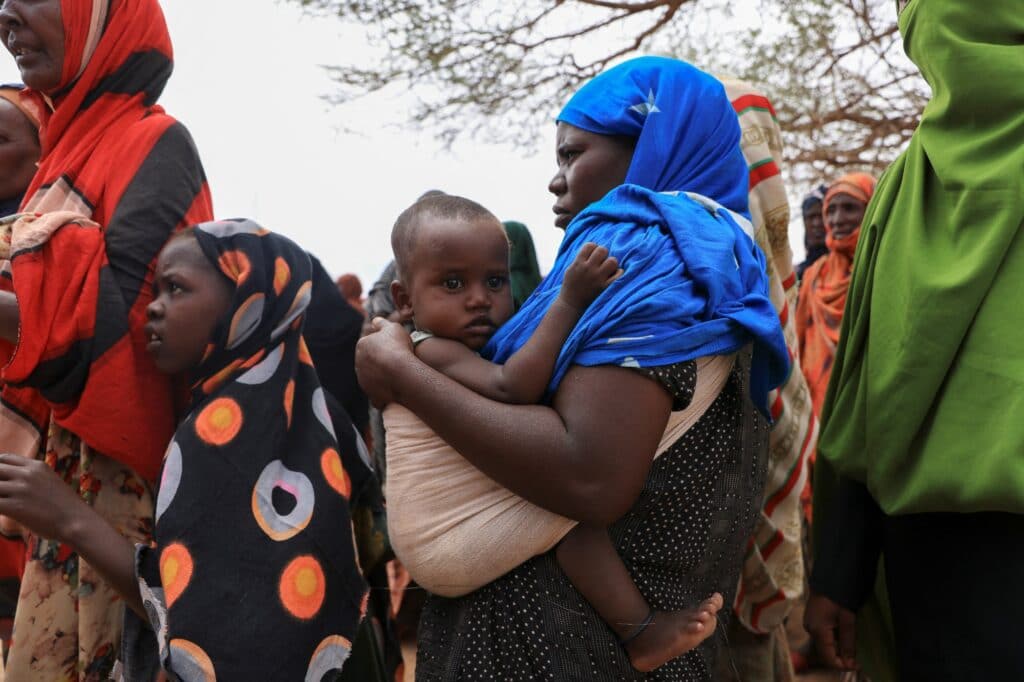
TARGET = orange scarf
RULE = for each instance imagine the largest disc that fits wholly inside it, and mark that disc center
(819, 312)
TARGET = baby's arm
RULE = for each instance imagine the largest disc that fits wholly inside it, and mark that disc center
(524, 376)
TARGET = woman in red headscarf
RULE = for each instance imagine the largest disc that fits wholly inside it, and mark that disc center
(819, 312)
(79, 388)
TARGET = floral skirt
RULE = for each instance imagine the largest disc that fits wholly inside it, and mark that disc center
(68, 621)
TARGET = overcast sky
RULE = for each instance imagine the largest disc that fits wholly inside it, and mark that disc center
(248, 84)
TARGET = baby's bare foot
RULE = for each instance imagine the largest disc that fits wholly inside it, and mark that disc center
(673, 633)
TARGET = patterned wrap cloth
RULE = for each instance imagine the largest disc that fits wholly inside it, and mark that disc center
(79, 388)
(252, 573)
(772, 579)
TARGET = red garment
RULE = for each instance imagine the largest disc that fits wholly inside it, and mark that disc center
(110, 153)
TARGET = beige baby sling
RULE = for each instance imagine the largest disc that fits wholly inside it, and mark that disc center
(455, 529)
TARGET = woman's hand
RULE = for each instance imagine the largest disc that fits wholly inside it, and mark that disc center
(379, 356)
(834, 630)
(34, 496)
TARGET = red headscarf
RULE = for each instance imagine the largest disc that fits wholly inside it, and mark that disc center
(111, 154)
(819, 312)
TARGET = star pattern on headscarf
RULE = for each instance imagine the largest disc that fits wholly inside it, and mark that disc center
(648, 107)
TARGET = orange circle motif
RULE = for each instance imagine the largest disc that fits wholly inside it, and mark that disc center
(334, 472)
(219, 422)
(236, 265)
(175, 571)
(191, 662)
(282, 275)
(302, 587)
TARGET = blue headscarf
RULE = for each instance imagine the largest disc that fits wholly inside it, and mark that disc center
(694, 281)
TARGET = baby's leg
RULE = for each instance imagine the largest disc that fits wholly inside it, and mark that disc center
(652, 638)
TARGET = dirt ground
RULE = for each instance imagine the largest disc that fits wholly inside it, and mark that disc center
(409, 654)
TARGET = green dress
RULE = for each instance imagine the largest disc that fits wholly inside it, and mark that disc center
(927, 389)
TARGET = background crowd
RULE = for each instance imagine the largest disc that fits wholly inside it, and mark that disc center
(181, 492)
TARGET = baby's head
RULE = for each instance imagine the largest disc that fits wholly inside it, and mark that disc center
(190, 298)
(453, 275)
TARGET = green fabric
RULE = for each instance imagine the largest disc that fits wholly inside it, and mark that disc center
(522, 262)
(927, 394)
(876, 639)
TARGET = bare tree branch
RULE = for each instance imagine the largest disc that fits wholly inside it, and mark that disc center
(846, 96)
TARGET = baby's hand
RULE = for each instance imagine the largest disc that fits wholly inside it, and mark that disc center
(589, 275)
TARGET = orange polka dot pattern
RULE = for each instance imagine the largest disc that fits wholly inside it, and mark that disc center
(302, 587)
(219, 422)
(256, 529)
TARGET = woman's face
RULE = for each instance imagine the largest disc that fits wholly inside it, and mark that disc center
(33, 31)
(589, 166)
(814, 227)
(19, 151)
(844, 215)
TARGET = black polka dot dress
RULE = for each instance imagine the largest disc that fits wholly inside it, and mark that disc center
(683, 539)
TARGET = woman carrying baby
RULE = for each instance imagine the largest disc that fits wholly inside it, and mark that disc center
(650, 168)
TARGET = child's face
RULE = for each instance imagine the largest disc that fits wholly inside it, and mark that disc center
(457, 280)
(191, 298)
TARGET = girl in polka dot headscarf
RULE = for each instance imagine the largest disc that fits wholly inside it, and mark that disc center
(252, 573)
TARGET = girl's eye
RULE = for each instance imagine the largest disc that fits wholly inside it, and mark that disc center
(174, 288)
(495, 282)
(451, 283)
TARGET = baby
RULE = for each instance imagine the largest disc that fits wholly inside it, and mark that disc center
(453, 283)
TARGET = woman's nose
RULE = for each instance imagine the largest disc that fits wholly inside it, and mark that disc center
(557, 184)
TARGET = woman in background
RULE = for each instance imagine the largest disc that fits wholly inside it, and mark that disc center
(79, 391)
(819, 310)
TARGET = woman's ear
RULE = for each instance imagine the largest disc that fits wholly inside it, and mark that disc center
(403, 302)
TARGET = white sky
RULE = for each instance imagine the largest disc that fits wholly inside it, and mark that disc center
(248, 84)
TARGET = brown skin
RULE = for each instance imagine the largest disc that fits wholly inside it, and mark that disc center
(456, 283)
(586, 456)
(33, 495)
(843, 215)
(589, 166)
(191, 297)
(19, 151)
(834, 630)
(814, 228)
(458, 289)
(33, 32)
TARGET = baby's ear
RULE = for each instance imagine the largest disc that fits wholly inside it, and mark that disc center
(403, 302)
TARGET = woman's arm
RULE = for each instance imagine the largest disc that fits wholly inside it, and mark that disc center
(586, 457)
(34, 496)
(10, 317)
